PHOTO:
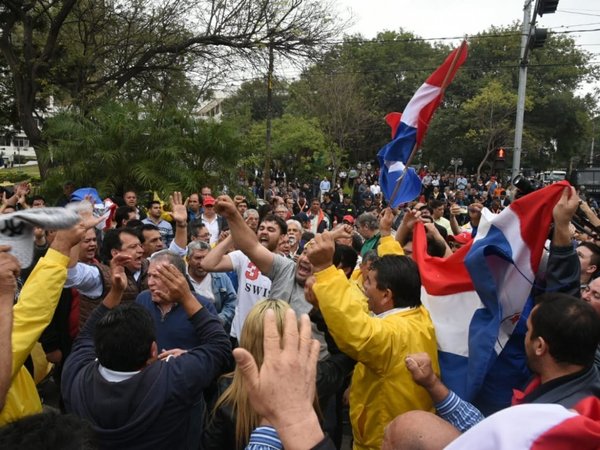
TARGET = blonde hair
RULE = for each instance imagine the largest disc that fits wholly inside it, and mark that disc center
(251, 339)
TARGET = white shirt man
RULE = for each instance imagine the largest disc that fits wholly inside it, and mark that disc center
(211, 219)
(325, 186)
(375, 188)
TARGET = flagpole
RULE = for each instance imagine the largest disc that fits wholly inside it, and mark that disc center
(442, 91)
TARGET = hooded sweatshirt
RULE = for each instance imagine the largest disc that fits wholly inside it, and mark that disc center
(150, 409)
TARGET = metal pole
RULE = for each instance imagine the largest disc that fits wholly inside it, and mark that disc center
(525, 31)
(267, 161)
(592, 146)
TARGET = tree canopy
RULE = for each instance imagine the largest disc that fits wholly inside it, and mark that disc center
(87, 51)
(120, 146)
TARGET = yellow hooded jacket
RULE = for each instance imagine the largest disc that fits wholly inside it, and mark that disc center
(382, 387)
(31, 315)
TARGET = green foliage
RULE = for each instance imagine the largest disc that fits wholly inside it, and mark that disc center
(249, 103)
(298, 145)
(490, 114)
(358, 83)
(162, 54)
(121, 146)
(478, 112)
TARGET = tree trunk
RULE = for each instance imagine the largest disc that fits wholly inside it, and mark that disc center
(483, 161)
(25, 100)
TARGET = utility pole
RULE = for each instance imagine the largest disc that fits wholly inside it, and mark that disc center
(530, 38)
(525, 30)
(592, 146)
(267, 165)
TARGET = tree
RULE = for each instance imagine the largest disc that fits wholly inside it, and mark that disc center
(358, 82)
(248, 103)
(86, 50)
(491, 114)
(124, 146)
(299, 145)
(342, 112)
(554, 74)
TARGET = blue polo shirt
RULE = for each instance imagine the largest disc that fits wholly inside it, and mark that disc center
(174, 329)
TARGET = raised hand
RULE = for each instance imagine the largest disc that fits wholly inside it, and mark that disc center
(320, 251)
(225, 207)
(385, 222)
(177, 287)
(282, 390)
(179, 210)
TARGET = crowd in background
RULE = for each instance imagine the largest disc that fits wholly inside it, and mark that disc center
(133, 314)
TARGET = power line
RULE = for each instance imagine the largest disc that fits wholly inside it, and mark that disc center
(566, 11)
(465, 67)
(578, 25)
(352, 40)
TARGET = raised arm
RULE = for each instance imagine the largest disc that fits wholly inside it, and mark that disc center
(217, 259)
(243, 237)
(563, 212)
(563, 270)
(449, 406)
(41, 293)
(9, 271)
(388, 245)
(454, 211)
(356, 333)
(179, 215)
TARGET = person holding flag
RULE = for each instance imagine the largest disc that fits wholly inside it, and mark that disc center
(480, 297)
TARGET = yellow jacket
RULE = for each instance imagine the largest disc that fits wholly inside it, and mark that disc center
(382, 388)
(31, 315)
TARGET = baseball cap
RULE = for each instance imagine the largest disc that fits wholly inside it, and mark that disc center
(348, 219)
(461, 238)
(208, 201)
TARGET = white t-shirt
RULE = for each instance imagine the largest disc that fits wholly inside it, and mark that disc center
(375, 189)
(204, 288)
(252, 287)
(213, 228)
(442, 221)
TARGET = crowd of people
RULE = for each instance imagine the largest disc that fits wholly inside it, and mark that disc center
(217, 322)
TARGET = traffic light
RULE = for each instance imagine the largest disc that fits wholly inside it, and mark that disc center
(500, 154)
(537, 38)
(546, 7)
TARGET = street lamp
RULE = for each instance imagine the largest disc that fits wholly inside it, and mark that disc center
(456, 162)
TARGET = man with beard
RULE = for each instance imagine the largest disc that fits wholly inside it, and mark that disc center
(287, 276)
(252, 284)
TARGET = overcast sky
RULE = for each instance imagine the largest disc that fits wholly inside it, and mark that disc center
(450, 18)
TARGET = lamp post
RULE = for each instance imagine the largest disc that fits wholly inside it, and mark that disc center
(456, 162)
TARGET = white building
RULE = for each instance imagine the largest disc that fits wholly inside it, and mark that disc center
(16, 146)
(211, 109)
